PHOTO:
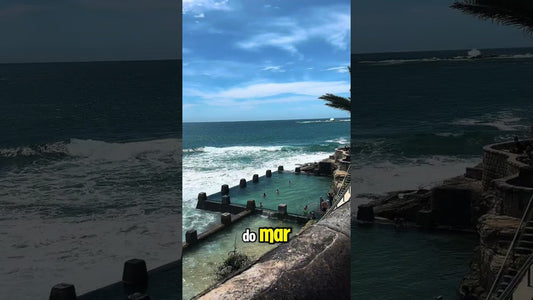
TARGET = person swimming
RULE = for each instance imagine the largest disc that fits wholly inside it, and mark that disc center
(264, 195)
(277, 191)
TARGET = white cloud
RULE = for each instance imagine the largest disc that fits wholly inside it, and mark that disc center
(200, 15)
(219, 69)
(342, 69)
(199, 6)
(189, 105)
(332, 26)
(273, 69)
(257, 102)
(264, 90)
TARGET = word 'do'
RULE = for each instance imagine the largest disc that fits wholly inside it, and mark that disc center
(269, 235)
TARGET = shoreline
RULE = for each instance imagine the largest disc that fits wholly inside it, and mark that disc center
(488, 200)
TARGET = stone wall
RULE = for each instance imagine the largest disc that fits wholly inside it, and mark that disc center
(511, 199)
(498, 163)
(312, 265)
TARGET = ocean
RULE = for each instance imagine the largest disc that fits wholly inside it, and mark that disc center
(419, 118)
(217, 153)
(90, 164)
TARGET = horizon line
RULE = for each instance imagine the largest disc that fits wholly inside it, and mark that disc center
(298, 119)
(91, 61)
(437, 50)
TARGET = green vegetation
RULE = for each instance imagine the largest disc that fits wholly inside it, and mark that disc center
(338, 102)
(234, 262)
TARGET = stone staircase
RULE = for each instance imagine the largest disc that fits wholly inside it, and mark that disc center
(518, 259)
(344, 187)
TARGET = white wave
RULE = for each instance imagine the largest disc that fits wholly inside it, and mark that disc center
(322, 121)
(26, 151)
(385, 176)
(88, 253)
(449, 134)
(207, 171)
(340, 140)
(97, 150)
(86, 214)
(526, 55)
(240, 150)
(100, 150)
(504, 121)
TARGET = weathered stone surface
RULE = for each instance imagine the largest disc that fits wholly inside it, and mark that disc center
(496, 233)
(326, 167)
(339, 220)
(225, 218)
(404, 204)
(313, 265)
(224, 189)
(365, 213)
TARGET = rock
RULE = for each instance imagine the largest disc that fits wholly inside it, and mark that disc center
(496, 233)
(365, 213)
(403, 204)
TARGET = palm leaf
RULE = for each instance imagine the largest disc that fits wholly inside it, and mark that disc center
(337, 102)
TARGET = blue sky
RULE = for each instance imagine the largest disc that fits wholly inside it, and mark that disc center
(264, 59)
(417, 25)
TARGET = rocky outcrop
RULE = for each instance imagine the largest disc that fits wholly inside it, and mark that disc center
(495, 235)
(458, 203)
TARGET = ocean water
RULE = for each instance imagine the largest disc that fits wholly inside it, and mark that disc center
(224, 152)
(422, 117)
(90, 164)
(200, 262)
(294, 190)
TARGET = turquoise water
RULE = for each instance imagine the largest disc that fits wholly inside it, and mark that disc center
(393, 265)
(301, 191)
(199, 262)
(224, 152)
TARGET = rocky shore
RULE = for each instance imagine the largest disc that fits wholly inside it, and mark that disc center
(489, 200)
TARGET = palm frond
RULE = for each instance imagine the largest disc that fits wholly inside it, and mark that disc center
(511, 12)
(337, 102)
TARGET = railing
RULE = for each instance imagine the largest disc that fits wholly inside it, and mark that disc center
(518, 277)
(517, 237)
(342, 190)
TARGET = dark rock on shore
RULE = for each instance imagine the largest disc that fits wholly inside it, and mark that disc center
(457, 203)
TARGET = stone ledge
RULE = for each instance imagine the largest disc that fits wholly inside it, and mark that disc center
(313, 265)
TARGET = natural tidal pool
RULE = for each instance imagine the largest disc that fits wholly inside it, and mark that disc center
(199, 262)
(295, 190)
(408, 263)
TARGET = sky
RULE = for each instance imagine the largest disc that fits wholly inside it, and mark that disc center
(417, 25)
(89, 30)
(264, 59)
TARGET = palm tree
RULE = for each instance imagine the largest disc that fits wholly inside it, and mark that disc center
(506, 12)
(338, 102)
